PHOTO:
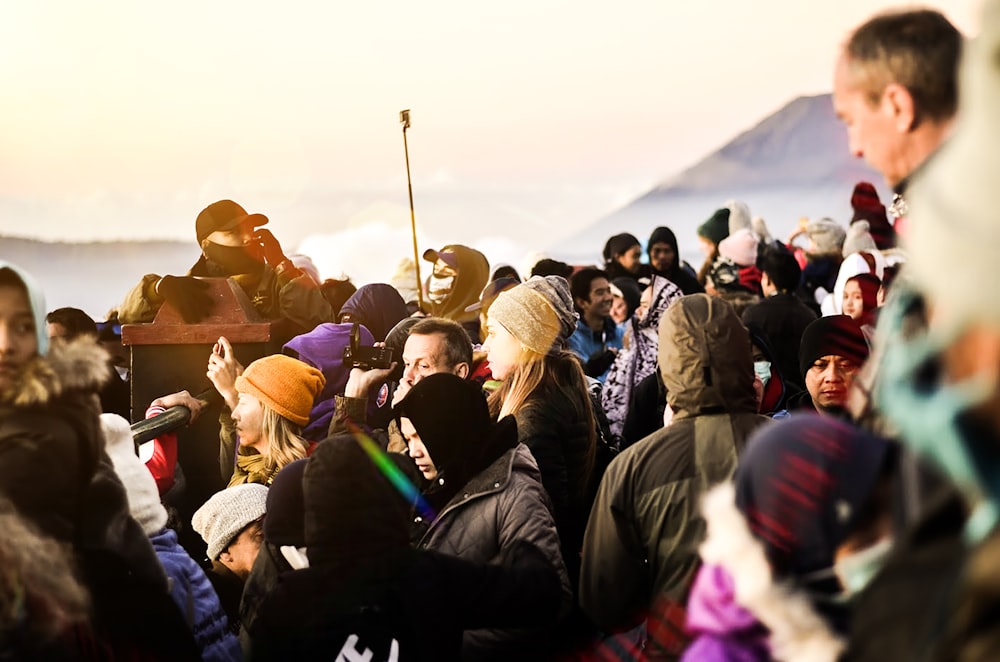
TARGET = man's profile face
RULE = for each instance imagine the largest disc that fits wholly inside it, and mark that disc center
(872, 129)
(828, 381)
(425, 355)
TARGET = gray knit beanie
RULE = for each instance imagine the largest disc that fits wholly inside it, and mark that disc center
(226, 513)
(827, 234)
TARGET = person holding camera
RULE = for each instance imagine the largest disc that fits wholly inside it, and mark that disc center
(233, 245)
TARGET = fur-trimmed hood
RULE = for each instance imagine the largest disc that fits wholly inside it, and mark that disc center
(76, 365)
(798, 632)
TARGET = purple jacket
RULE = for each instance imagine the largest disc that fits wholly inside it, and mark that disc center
(323, 349)
(721, 629)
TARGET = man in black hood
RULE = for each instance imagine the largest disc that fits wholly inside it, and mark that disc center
(233, 246)
(665, 260)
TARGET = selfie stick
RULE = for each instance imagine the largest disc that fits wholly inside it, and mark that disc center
(404, 118)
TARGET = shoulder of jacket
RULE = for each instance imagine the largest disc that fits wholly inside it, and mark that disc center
(79, 364)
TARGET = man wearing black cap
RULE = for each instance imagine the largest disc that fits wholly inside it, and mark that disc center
(833, 349)
(232, 247)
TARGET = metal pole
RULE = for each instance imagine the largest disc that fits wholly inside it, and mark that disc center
(170, 420)
(404, 118)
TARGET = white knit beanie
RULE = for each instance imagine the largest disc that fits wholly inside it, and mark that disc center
(226, 513)
(739, 216)
(858, 239)
(143, 496)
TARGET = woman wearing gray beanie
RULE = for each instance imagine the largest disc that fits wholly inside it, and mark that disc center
(544, 388)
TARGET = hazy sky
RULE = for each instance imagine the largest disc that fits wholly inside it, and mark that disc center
(117, 109)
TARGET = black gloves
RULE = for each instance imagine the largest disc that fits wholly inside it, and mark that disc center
(599, 362)
(188, 295)
(273, 254)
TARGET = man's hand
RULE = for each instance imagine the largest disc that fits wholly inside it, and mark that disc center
(223, 369)
(181, 398)
(360, 382)
(188, 295)
(273, 255)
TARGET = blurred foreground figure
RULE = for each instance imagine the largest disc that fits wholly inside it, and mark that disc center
(55, 472)
(939, 384)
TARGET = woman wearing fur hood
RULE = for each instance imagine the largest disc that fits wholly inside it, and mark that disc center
(799, 533)
(54, 470)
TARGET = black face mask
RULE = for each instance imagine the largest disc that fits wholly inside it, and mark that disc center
(234, 260)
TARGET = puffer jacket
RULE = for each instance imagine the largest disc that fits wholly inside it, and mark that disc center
(197, 600)
(640, 551)
(55, 471)
(502, 505)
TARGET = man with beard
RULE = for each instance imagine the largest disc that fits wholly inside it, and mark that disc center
(234, 247)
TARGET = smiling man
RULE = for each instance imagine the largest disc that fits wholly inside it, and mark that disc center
(597, 338)
(833, 349)
(895, 90)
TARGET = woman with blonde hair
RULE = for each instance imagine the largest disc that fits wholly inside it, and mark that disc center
(268, 405)
(543, 387)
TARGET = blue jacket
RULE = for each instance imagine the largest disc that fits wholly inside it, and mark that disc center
(585, 342)
(193, 593)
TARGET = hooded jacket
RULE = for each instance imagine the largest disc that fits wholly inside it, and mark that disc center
(323, 349)
(367, 589)
(681, 276)
(376, 306)
(473, 272)
(54, 469)
(640, 548)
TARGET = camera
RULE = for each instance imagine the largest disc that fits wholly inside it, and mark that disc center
(365, 358)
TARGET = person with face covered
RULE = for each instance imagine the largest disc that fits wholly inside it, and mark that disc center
(233, 246)
(486, 491)
(801, 531)
(460, 273)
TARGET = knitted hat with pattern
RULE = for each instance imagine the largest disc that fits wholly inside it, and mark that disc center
(538, 312)
(286, 385)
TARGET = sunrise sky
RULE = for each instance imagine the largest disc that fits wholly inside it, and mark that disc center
(124, 118)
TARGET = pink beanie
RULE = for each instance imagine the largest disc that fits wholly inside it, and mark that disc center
(740, 247)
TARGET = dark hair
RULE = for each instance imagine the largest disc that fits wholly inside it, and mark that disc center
(781, 267)
(917, 49)
(550, 267)
(337, 292)
(76, 322)
(617, 245)
(457, 346)
(505, 271)
(579, 282)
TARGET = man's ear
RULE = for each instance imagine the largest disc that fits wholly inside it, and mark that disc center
(899, 102)
(581, 303)
(225, 557)
(462, 370)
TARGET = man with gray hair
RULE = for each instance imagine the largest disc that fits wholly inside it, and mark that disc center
(895, 90)
(939, 385)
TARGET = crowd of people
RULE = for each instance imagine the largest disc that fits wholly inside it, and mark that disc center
(791, 452)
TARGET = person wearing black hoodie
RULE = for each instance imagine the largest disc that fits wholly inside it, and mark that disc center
(486, 491)
(366, 594)
(665, 260)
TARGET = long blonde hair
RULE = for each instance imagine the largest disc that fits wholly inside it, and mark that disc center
(525, 377)
(285, 443)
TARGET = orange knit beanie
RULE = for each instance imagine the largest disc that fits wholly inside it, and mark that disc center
(286, 385)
